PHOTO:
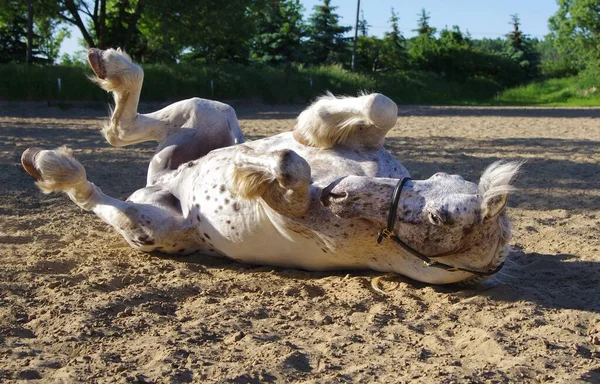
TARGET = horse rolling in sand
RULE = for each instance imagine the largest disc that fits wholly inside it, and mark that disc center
(313, 198)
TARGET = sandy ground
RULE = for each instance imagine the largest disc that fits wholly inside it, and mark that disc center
(78, 305)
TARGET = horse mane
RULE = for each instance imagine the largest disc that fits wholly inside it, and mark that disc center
(497, 180)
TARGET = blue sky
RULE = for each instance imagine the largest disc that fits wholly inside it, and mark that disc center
(482, 18)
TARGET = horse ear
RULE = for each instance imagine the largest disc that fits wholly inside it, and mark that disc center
(495, 185)
(492, 207)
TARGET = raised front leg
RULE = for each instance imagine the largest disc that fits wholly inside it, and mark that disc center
(116, 73)
(352, 122)
(280, 178)
(152, 221)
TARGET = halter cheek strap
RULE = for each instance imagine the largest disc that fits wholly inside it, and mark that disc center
(388, 232)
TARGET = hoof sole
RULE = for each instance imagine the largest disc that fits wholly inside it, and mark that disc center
(96, 62)
(28, 162)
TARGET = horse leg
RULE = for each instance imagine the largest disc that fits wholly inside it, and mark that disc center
(352, 122)
(150, 220)
(280, 178)
(116, 73)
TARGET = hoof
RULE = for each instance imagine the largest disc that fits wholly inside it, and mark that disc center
(97, 62)
(28, 162)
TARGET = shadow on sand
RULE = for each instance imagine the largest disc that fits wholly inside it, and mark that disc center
(558, 281)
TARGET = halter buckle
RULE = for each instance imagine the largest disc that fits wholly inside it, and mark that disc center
(384, 234)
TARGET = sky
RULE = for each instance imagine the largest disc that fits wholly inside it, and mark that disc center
(482, 18)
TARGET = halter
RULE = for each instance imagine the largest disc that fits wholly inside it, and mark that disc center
(388, 232)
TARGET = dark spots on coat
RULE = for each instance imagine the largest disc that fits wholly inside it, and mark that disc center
(228, 221)
(174, 245)
(190, 164)
(198, 218)
(222, 188)
(336, 225)
(194, 198)
(207, 197)
(214, 186)
(226, 201)
(467, 230)
(147, 222)
(205, 191)
(220, 207)
(232, 227)
(351, 225)
(345, 235)
(206, 235)
(236, 206)
(181, 250)
(324, 250)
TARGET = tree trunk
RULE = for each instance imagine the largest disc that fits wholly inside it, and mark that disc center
(29, 54)
(133, 24)
(101, 32)
(76, 20)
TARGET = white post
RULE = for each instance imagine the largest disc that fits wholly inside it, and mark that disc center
(212, 88)
(59, 86)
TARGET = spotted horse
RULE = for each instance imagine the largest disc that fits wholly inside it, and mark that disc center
(313, 198)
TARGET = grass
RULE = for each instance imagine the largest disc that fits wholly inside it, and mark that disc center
(164, 83)
(581, 90)
(231, 81)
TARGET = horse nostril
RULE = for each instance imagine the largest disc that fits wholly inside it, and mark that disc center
(327, 196)
(338, 196)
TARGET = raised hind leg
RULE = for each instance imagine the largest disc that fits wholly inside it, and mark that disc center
(150, 220)
(352, 122)
(280, 178)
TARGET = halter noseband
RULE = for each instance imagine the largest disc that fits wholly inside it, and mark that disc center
(388, 232)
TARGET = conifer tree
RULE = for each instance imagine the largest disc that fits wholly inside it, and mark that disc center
(280, 29)
(327, 43)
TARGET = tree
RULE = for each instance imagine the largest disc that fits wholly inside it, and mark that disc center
(394, 55)
(106, 23)
(520, 49)
(369, 54)
(46, 36)
(280, 29)
(363, 25)
(326, 43)
(423, 27)
(515, 37)
(575, 31)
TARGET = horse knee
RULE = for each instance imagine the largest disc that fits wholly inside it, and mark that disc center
(253, 172)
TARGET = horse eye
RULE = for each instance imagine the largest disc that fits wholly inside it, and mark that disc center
(435, 219)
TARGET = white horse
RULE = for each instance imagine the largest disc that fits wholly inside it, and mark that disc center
(313, 198)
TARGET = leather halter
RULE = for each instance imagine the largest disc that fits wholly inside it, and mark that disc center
(388, 232)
